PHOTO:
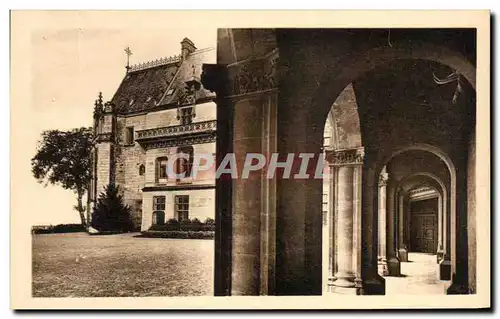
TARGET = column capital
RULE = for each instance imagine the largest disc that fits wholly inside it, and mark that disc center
(382, 179)
(353, 156)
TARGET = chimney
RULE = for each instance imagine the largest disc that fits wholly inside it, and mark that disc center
(187, 47)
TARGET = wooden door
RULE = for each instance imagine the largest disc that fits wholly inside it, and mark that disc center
(424, 236)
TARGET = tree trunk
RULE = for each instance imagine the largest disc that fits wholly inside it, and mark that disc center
(80, 210)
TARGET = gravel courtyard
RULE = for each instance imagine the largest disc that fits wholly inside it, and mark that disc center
(80, 265)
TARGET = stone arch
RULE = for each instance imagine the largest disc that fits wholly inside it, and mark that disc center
(452, 193)
(337, 76)
(439, 153)
(343, 121)
(332, 81)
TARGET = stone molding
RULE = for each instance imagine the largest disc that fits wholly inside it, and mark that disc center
(178, 141)
(353, 156)
(193, 128)
(104, 137)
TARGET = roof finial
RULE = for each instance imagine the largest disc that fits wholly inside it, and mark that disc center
(128, 52)
(99, 99)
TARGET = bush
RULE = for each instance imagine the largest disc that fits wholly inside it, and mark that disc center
(58, 229)
(110, 213)
(179, 234)
(187, 225)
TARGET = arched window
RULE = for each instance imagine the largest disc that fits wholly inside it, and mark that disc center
(184, 165)
(142, 169)
(161, 169)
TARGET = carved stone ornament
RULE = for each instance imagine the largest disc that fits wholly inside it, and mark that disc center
(353, 156)
(109, 107)
(104, 137)
(191, 140)
(255, 75)
(382, 179)
(170, 131)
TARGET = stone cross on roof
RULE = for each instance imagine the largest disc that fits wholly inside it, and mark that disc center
(128, 52)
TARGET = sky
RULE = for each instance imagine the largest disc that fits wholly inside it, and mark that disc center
(68, 69)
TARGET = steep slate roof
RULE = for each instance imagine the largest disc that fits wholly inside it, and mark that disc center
(192, 66)
(144, 87)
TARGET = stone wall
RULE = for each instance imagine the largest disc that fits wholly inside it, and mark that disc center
(103, 166)
(129, 158)
(201, 204)
(471, 213)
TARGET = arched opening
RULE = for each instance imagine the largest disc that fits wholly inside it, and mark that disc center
(421, 234)
(377, 153)
(314, 68)
(341, 135)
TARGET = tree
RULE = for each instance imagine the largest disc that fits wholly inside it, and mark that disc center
(110, 213)
(63, 158)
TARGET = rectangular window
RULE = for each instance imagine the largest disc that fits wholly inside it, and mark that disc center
(161, 169)
(182, 207)
(158, 210)
(130, 135)
(185, 165)
(159, 203)
(186, 115)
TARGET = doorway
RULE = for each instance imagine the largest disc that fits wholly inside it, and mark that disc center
(423, 225)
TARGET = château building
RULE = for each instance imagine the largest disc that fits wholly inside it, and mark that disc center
(159, 109)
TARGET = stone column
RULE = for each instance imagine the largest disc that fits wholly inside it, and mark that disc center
(440, 251)
(402, 245)
(445, 263)
(393, 263)
(245, 240)
(382, 254)
(346, 166)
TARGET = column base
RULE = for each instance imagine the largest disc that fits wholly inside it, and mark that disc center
(458, 288)
(439, 256)
(403, 255)
(342, 290)
(373, 286)
(445, 270)
(383, 270)
(343, 280)
(394, 267)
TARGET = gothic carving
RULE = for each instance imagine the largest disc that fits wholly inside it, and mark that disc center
(192, 128)
(190, 140)
(382, 179)
(98, 107)
(256, 75)
(155, 63)
(104, 137)
(345, 157)
(109, 107)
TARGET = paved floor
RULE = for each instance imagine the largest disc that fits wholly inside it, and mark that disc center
(419, 277)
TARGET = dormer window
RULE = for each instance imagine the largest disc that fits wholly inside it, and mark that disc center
(186, 115)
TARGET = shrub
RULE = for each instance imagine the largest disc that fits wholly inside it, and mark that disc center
(179, 234)
(61, 228)
(194, 225)
(110, 213)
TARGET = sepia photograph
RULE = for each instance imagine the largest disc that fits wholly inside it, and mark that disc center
(226, 160)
